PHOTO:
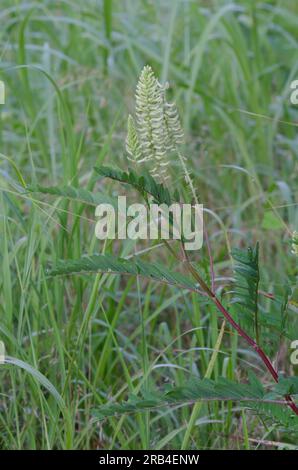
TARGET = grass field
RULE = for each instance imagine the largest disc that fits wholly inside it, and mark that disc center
(75, 343)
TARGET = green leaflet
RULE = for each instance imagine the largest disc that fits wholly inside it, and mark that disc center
(199, 389)
(112, 264)
(285, 386)
(143, 184)
(247, 279)
(70, 192)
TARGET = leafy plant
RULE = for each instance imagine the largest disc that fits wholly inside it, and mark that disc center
(206, 390)
(112, 264)
(148, 142)
(100, 338)
(247, 278)
(144, 184)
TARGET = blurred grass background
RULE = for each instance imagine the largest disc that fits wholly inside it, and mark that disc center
(70, 70)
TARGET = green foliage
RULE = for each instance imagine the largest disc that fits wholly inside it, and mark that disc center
(76, 194)
(271, 221)
(98, 338)
(247, 278)
(206, 390)
(112, 264)
(144, 184)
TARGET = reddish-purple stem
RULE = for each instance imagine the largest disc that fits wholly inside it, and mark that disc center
(248, 339)
(255, 346)
(266, 361)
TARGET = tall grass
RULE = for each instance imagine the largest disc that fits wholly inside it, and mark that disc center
(74, 343)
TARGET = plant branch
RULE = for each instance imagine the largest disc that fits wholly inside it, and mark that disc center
(266, 361)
